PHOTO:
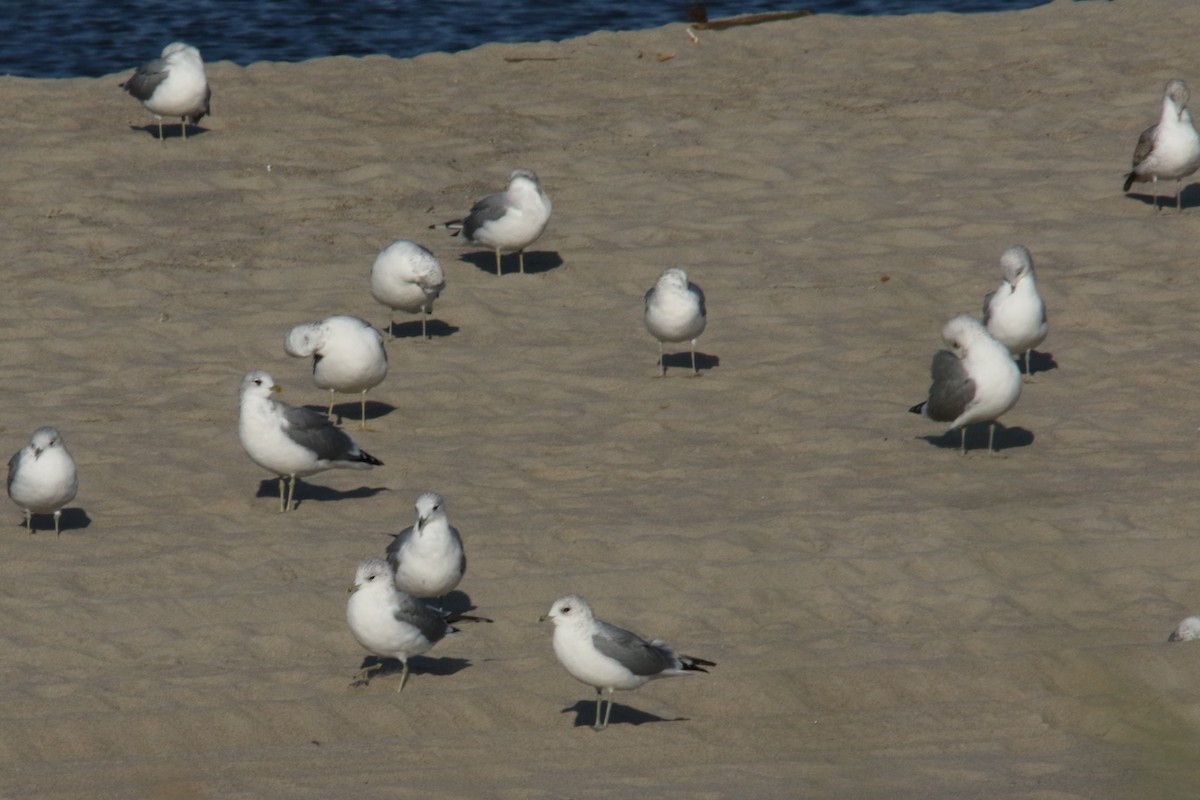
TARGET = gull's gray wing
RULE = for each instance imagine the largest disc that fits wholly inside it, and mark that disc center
(951, 390)
(13, 463)
(489, 209)
(315, 432)
(398, 541)
(462, 563)
(146, 79)
(650, 295)
(632, 651)
(987, 307)
(700, 294)
(1145, 145)
(430, 623)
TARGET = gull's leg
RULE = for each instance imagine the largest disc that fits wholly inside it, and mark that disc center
(183, 126)
(599, 706)
(362, 423)
(521, 257)
(1178, 194)
(424, 318)
(329, 412)
(364, 674)
(161, 138)
(497, 260)
(29, 521)
(607, 711)
(403, 675)
(991, 437)
(1154, 188)
(282, 493)
(694, 370)
(291, 492)
(57, 529)
(962, 436)
(662, 365)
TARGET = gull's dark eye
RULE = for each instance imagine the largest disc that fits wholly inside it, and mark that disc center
(566, 609)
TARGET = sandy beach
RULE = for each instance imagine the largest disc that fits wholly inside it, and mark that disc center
(890, 619)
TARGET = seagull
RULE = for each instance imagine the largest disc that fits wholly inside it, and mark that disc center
(390, 623)
(347, 353)
(675, 312)
(977, 382)
(428, 557)
(1014, 314)
(507, 221)
(42, 477)
(1170, 149)
(607, 657)
(407, 277)
(292, 442)
(173, 85)
(1188, 630)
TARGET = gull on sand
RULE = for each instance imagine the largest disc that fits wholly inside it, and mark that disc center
(675, 312)
(390, 623)
(609, 658)
(348, 356)
(292, 442)
(1187, 631)
(507, 221)
(976, 381)
(173, 85)
(42, 476)
(1014, 314)
(427, 557)
(1170, 149)
(407, 277)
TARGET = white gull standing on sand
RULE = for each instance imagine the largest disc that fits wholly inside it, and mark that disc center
(407, 277)
(507, 221)
(42, 477)
(1014, 314)
(292, 442)
(675, 312)
(348, 356)
(173, 85)
(1169, 150)
(607, 657)
(390, 623)
(427, 557)
(977, 382)
(1187, 631)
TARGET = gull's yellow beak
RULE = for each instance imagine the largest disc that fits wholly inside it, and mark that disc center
(277, 388)
(353, 588)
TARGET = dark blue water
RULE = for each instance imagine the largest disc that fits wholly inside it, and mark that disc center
(66, 38)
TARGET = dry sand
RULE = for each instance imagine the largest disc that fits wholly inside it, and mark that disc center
(891, 619)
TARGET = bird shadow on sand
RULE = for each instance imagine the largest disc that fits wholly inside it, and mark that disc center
(683, 361)
(312, 491)
(585, 715)
(347, 414)
(412, 330)
(1190, 196)
(170, 131)
(535, 262)
(454, 603)
(1041, 362)
(977, 438)
(417, 665)
(72, 519)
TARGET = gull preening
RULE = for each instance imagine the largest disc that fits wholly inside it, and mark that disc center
(388, 622)
(407, 277)
(1170, 149)
(348, 356)
(977, 381)
(173, 85)
(507, 221)
(1014, 314)
(292, 442)
(42, 477)
(427, 557)
(608, 658)
(1187, 631)
(675, 312)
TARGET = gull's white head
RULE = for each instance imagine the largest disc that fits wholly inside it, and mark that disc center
(43, 439)
(1016, 263)
(1177, 92)
(373, 573)
(673, 278)
(523, 174)
(430, 506)
(258, 384)
(178, 51)
(1188, 630)
(962, 332)
(571, 610)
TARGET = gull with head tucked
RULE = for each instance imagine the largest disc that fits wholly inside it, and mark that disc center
(42, 476)
(507, 221)
(1169, 149)
(348, 356)
(609, 658)
(675, 312)
(976, 381)
(1014, 314)
(173, 85)
(292, 442)
(1187, 631)
(407, 277)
